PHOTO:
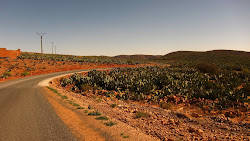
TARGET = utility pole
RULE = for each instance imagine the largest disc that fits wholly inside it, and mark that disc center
(52, 42)
(55, 49)
(41, 35)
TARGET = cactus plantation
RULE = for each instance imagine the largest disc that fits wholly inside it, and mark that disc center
(155, 84)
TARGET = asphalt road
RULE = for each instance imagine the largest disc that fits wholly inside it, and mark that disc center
(26, 115)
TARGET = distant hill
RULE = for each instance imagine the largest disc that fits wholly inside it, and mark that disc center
(230, 52)
(190, 55)
(138, 57)
(218, 57)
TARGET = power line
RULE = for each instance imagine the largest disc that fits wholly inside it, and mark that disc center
(41, 35)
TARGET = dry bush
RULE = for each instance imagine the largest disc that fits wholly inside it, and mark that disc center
(113, 105)
(140, 114)
(85, 87)
(166, 105)
(6, 74)
(207, 68)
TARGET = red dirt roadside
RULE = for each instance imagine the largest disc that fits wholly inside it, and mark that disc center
(72, 119)
(86, 127)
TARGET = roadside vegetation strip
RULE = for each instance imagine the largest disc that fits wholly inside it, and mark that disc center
(73, 103)
(56, 92)
(53, 90)
(97, 113)
(65, 97)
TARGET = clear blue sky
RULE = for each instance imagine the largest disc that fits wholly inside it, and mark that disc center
(114, 27)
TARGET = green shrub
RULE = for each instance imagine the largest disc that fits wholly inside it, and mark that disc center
(28, 69)
(207, 68)
(95, 113)
(79, 107)
(25, 73)
(140, 114)
(125, 136)
(64, 97)
(73, 103)
(130, 62)
(61, 79)
(166, 105)
(53, 90)
(113, 105)
(102, 118)
(245, 70)
(6, 75)
(99, 100)
(246, 90)
(237, 68)
(110, 123)
(85, 87)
